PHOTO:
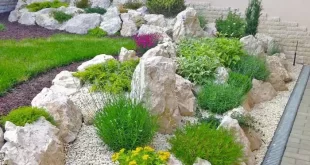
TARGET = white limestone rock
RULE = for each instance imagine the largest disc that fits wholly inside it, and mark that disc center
(268, 42)
(14, 16)
(129, 29)
(200, 161)
(253, 46)
(151, 29)
(102, 58)
(45, 19)
(101, 3)
(155, 19)
(80, 24)
(126, 55)
(27, 18)
(167, 49)
(65, 83)
(221, 75)
(185, 97)
(71, 10)
(111, 21)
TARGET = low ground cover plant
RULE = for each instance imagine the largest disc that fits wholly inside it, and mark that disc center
(252, 14)
(146, 41)
(125, 123)
(253, 67)
(98, 10)
(37, 6)
(141, 155)
(111, 76)
(97, 32)
(211, 120)
(134, 5)
(168, 8)
(233, 26)
(23, 59)
(82, 4)
(61, 16)
(23, 115)
(2, 27)
(241, 81)
(205, 142)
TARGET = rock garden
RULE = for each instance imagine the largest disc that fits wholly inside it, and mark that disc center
(155, 84)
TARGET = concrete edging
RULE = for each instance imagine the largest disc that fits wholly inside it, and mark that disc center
(277, 146)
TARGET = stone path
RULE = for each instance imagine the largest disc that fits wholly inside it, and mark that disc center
(297, 151)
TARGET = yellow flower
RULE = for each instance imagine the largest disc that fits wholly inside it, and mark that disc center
(138, 149)
(145, 157)
(164, 156)
(133, 163)
(148, 148)
(115, 157)
(122, 150)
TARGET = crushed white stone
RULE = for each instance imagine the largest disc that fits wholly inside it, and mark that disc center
(268, 114)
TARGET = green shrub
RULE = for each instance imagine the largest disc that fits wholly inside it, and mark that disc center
(61, 16)
(82, 4)
(233, 26)
(252, 14)
(220, 98)
(246, 121)
(23, 115)
(241, 81)
(211, 120)
(2, 27)
(111, 76)
(133, 5)
(219, 147)
(98, 10)
(202, 21)
(168, 8)
(228, 51)
(197, 69)
(124, 123)
(253, 67)
(98, 32)
(37, 6)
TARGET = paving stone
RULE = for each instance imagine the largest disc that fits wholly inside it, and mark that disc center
(304, 152)
(294, 140)
(302, 162)
(297, 156)
(288, 160)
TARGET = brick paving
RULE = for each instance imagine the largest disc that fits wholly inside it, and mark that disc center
(297, 150)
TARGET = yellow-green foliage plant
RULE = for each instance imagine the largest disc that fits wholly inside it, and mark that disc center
(141, 156)
(168, 8)
(37, 6)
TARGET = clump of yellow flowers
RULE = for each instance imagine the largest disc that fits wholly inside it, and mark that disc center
(141, 156)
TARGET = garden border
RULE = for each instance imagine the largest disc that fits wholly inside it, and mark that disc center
(278, 144)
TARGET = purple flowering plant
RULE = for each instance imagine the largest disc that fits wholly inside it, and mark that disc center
(145, 42)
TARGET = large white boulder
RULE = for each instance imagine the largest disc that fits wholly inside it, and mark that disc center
(126, 55)
(99, 59)
(221, 75)
(268, 42)
(134, 16)
(80, 24)
(155, 19)
(167, 49)
(27, 18)
(71, 10)
(66, 83)
(45, 19)
(187, 24)
(262, 91)
(14, 16)
(151, 29)
(185, 97)
(253, 46)
(111, 21)
(101, 3)
(232, 124)
(154, 83)
(35, 144)
(129, 29)
(67, 116)
(274, 64)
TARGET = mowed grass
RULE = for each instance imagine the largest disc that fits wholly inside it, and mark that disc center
(21, 60)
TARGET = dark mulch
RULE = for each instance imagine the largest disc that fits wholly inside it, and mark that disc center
(17, 31)
(23, 94)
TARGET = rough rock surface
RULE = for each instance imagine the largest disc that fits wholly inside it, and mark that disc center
(67, 116)
(34, 144)
(232, 124)
(100, 3)
(268, 42)
(111, 22)
(66, 83)
(71, 10)
(126, 55)
(151, 29)
(211, 29)
(134, 16)
(155, 19)
(262, 91)
(14, 16)
(1, 138)
(221, 75)
(129, 29)
(187, 24)
(185, 97)
(200, 161)
(248, 102)
(254, 138)
(46, 21)
(96, 60)
(154, 83)
(253, 46)
(167, 49)
(27, 18)
(274, 64)
(80, 24)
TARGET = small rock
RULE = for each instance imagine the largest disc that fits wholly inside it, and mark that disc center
(129, 29)
(45, 19)
(174, 161)
(254, 138)
(126, 55)
(185, 97)
(66, 83)
(211, 30)
(268, 41)
(27, 18)
(253, 46)
(96, 60)
(167, 49)
(155, 19)
(142, 10)
(200, 161)
(262, 91)
(151, 29)
(71, 10)
(221, 75)
(14, 16)
(274, 64)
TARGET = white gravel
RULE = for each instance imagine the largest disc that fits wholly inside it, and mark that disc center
(268, 114)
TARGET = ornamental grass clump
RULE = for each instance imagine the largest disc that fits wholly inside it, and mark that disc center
(97, 32)
(61, 16)
(219, 147)
(168, 8)
(111, 76)
(141, 155)
(232, 27)
(145, 42)
(23, 115)
(37, 6)
(125, 123)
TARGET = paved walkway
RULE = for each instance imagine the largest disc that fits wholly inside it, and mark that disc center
(297, 151)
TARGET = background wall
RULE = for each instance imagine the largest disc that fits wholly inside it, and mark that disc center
(7, 5)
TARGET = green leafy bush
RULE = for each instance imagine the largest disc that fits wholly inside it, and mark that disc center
(124, 123)
(98, 32)
(252, 14)
(98, 10)
(37, 6)
(219, 147)
(111, 76)
(133, 5)
(82, 4)
(253, 67)
(197, 69)
(61, 16)
(168, 8)
(211, 120)
(241, 81)
(220, 98)
(2, 27)
(233, 26)
(23, 115)
(202, 21)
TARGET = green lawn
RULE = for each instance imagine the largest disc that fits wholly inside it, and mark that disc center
(21, 60)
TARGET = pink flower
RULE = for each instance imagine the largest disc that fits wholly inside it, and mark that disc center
(146, 41)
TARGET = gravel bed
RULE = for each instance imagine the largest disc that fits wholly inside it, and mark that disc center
(268, 114)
